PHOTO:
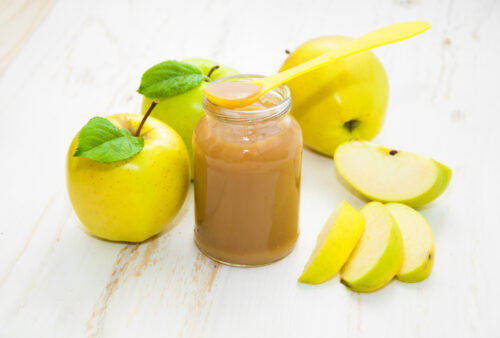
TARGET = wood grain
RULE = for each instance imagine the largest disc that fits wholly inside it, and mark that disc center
(18, 20)
(86, 59)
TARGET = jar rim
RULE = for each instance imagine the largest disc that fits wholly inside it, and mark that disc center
(236, 115)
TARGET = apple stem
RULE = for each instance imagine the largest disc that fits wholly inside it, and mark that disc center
(153, 105)
(213, 69)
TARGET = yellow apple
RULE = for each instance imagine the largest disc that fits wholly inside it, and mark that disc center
(418, 243)
(339, 236)
(343, 100)
(379, 254)
(389, 175)
(134, 199)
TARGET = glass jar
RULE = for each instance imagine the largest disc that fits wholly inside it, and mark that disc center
(247, 164)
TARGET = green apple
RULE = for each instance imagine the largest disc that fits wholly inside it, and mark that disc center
(133, 199)
(389, 175)
(418, 243)
(183, 111)
(379, 254)
(337, 240)
(341, 101)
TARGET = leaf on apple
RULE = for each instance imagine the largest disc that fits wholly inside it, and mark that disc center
(169, 78)
(101, 141)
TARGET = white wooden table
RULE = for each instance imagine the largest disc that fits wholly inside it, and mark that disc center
(65, 61)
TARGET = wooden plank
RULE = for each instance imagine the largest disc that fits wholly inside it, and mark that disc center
(18, 21)
(86, 60)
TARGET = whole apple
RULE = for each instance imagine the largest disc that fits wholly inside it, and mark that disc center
(183, 111)
(343, 100)
(133, 199)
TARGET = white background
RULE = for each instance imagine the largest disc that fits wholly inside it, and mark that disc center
(85, 58)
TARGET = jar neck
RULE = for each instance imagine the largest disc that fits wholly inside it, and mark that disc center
(273, 105)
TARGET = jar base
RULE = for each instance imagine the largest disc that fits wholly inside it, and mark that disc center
(239, 265)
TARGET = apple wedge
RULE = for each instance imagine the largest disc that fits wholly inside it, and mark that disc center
(418, 243)
(379, 254)
(387, 175)
(337, 240)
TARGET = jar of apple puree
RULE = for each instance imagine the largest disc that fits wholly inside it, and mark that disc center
(247, 164)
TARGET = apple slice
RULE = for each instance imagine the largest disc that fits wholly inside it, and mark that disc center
(339, 236)
(418, 243)
(387, 175)
(379, 254)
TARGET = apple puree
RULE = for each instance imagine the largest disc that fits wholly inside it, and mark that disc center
(247, 182)
(233, 90)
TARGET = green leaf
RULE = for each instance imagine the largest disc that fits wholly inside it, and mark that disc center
(169, 78)
(101, 141)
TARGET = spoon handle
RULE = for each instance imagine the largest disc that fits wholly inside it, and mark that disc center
(379, 37)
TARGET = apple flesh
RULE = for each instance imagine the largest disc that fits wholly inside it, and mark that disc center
(183, 111)
(418, 243)
(337, 240)
(387, 175)
(133, 199)
(379, 254)
(341, 101)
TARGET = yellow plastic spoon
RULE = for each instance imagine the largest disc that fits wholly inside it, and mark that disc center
(239, 94)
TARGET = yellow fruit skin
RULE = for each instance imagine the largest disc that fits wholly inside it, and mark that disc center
(341, 240)
(386, 268)
(134, 199)
(420, 273)
(423, 270)
(437, 189)
(351, 89)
